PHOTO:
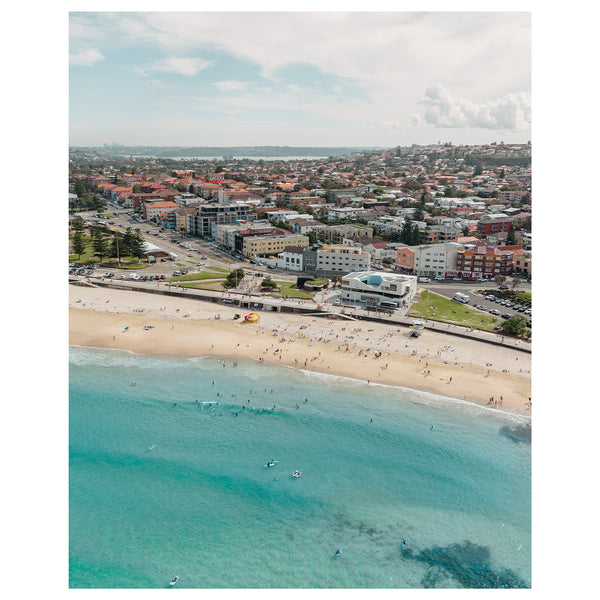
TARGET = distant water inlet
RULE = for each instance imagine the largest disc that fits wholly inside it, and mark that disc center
(398, 489)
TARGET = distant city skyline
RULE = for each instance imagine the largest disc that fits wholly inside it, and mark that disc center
(299, 79)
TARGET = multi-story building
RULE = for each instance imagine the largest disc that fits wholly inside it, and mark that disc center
(291, 258)
(484, 261)
(207, 214)
(335, 234)
(490, 224)
(337, 259)
(152, 209)
(378, 290)
(522, 265)
(337, 214)
(265, 245)
(428, 260)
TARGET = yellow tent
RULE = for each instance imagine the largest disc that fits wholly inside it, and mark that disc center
(252, 317)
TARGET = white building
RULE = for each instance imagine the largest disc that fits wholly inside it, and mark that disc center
(376, 289)
(291, 258)
(337, 214)
(337, 259)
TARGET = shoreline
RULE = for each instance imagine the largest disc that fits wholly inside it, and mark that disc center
(463, 370)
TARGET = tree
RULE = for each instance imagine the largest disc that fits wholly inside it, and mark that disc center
(78, 244)
(116, 248)
(415, 238)
(268, 284)
(406, 232)
(510, 236)
(98, 203)
(137, 245)
(100, 242)
(78, 224)
(516, 281)
(127, 242)
(516, 325)
(233, 279)
(499, 279)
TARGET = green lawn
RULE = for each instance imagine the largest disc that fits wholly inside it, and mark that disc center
(196, 276)
(439, 308)
(219, 269)
(209, 284)
(287, 289)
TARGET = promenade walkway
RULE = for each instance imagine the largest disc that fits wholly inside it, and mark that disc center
(303, 306)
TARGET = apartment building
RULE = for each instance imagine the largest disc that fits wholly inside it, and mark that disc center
(335, 234)
(337, 259)
(490, 224)
(428, 260)
(151, 209)
(264, 245)
(200, 223)
(484, 261)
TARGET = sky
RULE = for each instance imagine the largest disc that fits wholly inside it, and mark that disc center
(299, 78)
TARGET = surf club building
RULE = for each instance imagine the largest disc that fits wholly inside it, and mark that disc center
(378, 290)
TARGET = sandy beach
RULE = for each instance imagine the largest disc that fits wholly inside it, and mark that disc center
(379, 353)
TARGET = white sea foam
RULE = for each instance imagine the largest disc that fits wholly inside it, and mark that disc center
(113, 357)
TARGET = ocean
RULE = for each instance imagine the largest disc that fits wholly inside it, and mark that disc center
(168, 476)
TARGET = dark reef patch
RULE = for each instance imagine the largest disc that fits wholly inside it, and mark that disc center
(521, 433)
(467, 564)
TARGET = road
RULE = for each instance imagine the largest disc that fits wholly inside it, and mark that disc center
(204, 253)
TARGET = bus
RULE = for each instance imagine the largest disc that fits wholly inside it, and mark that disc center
(388, 305)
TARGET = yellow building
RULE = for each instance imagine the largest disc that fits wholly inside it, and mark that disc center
(263, 245)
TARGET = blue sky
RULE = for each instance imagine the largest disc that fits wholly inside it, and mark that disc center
(299, 79)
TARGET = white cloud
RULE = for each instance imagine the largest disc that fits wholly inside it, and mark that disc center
(391, 124)
(85, 57)
(512, 111)
(231, 85)
(177, 64)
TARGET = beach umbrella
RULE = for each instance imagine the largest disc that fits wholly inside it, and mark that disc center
(252, 317)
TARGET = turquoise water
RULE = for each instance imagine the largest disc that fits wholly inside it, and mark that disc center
(162, 485)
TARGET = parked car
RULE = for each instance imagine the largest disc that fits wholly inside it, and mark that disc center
(506, 315)
(481, 307)
(439, 278)
(457, 279)
(493, 311)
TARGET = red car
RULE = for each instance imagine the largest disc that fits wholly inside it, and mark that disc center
(163, 276)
